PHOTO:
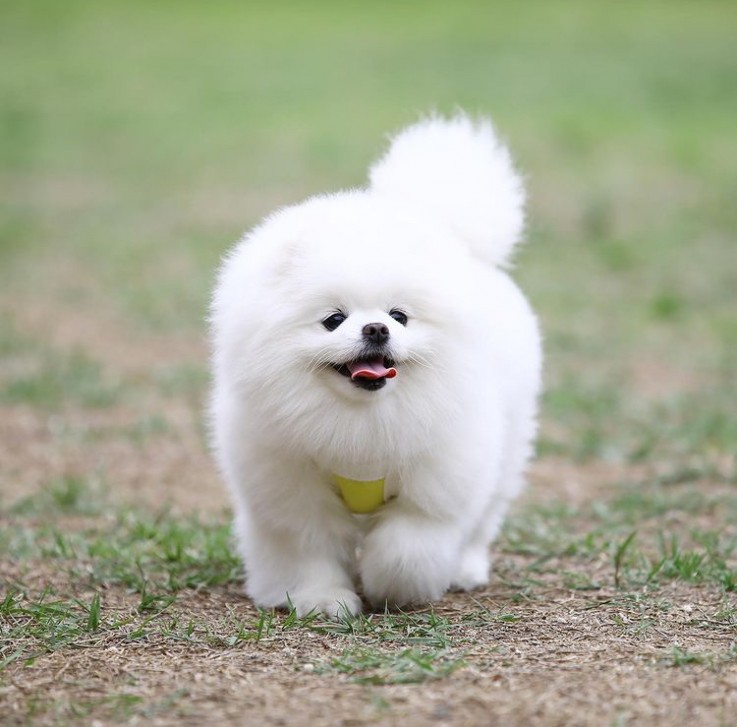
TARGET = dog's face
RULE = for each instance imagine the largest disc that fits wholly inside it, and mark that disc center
(362, 330)
(369, 352)
(364, 304)
(369, 358)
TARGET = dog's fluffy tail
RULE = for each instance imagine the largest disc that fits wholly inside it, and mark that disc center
(459, 173)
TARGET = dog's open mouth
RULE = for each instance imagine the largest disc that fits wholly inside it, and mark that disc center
(368, 373)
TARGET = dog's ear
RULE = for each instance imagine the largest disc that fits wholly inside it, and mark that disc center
(460, 174)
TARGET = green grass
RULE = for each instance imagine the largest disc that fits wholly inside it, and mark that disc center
(180, 139)
(389, 649)
(684, 658)
(68, 495)
(408, 666)
(55, 379)
(144, 553)
(34, 627)
(632, 528)
(159, 558)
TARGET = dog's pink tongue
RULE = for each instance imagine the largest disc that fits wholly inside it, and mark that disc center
(371, 369)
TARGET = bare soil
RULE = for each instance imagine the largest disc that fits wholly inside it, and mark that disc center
(564, 662)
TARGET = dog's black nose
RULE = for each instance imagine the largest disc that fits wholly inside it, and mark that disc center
(376, 333)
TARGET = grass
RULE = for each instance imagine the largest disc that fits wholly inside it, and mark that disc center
(54, 380)
(684, 658)
(138, 140)
(408, 666)
(45, 625)
(139, 552)
(69, 495)
(157, 559)
(33, 625)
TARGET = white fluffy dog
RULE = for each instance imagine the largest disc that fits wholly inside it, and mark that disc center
(371, 356)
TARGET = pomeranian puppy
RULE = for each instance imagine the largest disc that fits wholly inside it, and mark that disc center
(375, 379)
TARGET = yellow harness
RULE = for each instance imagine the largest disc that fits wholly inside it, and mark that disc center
(361, 496)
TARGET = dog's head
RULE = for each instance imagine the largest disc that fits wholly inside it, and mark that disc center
(348, 293)
(367, 294)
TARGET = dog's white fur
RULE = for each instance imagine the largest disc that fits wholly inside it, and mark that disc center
(451, 433)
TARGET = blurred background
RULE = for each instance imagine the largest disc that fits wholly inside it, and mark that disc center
(138, 140)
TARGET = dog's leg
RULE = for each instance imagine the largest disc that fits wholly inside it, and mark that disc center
(408, 557)
(297, 541)
(475, 561)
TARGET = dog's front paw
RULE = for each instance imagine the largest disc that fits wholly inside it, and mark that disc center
(405, 562)
(473, 571)
(336, 603)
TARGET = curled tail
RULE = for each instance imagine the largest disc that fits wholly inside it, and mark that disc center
(457, 172)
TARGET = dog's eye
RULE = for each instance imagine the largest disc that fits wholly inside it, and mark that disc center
(333, 321)
(399, 316)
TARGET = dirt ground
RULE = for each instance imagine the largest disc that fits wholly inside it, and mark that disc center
(562, 664)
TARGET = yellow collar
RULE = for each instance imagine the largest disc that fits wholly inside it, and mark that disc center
(361, 496)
